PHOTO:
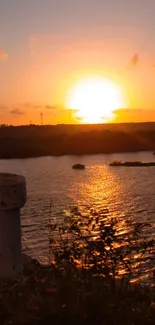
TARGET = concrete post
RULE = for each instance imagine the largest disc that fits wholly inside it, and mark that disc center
(12, 199)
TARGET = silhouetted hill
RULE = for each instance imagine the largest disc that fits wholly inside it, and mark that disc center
(34, 141)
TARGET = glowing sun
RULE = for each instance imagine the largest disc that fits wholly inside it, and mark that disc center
(95, 99)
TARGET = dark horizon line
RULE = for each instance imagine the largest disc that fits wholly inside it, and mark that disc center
(77, 124)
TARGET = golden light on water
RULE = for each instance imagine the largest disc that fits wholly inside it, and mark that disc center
(105, 193)
(95, 99)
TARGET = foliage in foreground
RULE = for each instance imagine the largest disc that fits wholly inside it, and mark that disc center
(88, 281)
(105, 246)
(49, 297)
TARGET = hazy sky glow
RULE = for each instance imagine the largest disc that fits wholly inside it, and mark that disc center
(47, 45)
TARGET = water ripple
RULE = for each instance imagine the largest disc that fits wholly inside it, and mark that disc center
(51, 182)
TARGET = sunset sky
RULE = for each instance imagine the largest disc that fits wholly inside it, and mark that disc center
(47, 46)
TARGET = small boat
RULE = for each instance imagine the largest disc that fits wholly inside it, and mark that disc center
(78, 166)
(131, 164)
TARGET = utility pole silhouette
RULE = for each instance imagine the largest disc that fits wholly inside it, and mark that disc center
(41, 118)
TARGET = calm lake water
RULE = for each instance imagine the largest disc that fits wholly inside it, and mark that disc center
(127, 192)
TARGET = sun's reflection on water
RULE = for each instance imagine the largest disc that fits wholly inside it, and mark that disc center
(101, 188)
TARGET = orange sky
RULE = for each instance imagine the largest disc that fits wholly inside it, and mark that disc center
(45, 50)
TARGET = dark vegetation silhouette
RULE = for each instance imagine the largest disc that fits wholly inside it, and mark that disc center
(34, 141)
(88, 278)
(118, 163)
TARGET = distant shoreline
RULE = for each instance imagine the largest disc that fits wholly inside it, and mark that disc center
(8, 157)
(35, 141)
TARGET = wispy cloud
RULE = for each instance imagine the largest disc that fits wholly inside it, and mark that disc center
(27, 105)
(50, 107)
(134, 61)
(17, 111)
(3, 55)
(41, 107)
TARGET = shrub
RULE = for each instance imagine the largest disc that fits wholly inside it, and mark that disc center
(103, 246)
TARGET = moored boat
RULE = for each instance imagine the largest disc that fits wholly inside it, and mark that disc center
(78, 166)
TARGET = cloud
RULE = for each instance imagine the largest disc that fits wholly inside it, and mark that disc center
(50, 107)
(3, 55)
(42, 107)
(69, 110)
(51, 110)
(27, 105)
(134, 61)
(17, 111)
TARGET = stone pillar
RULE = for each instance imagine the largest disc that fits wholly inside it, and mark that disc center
(12, 199)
